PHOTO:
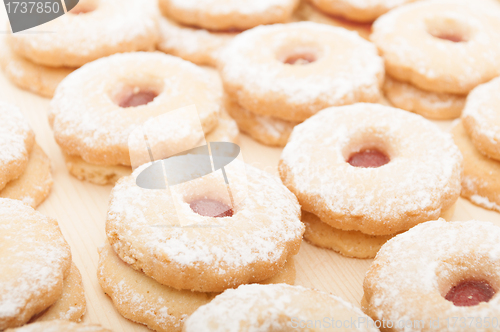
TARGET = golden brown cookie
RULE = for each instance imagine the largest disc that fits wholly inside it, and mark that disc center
(59, 326)
(307, 12)
(16, 142)
(265, 129)
(159, 232)
(224, 15)
(380, 198)
(92, 30)
(481, 181)
(196, 45)
(438, 275)
(143, 300)
(416, 41)
(34, 185)
(35, 260)
(292, 71)
(27, 75)
(277, 308)
(481, 118)
(432, 105)
(71, 305)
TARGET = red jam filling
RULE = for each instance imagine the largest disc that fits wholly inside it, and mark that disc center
(138, 99)
(211, 208)
(469, 293)
(300, 59)
(369, 158)
(451, 37)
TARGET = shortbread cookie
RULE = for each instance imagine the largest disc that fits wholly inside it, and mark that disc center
(307, 12)
(35, 259)
(59, 326)
(359, 11)
(481, 118)
(292, 71)
(92, 30)
(276, 308)
(71, 305)
(249, 241)
(265, 129)
(432, 105)
(417, 40)
(348, 243)
(34, 185)
(97, 106)
(16, 142)
(196, 45)
(437, 275)
(405, 168)
(225, 15)
(481, 181)
(143, 300)
(226, 131)
(39, 79)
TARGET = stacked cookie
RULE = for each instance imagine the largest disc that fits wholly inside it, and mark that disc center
(24, 167)
(416, 42)
(92, 29)
(97, 108)
(38, 280)
(279, 75)
(366, 172)
(478, 137)
(197, 30)
(173, 250)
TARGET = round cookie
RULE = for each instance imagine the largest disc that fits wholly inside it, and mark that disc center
(308, 13)
(226, 131)
(481, 180)
(432, 105)
(92, 30)
(89, 122)
(16, 142)
(438, 275)
(249, 245)
(35, 261)
(276, 308)
(324, 149)
(481, 118)
(292, 71)
(225, 15)
(34, 185)
(30, 76)
(348, 243)
(59, 326)
(416, 41)
(199, 46)
(143, 300)
(358, 11)
(265, 129)
(71, 305)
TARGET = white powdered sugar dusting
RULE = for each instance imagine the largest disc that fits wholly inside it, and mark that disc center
(224, 7)
(251, 64)
(278, 307)
(260, 230)
(425, 165)
(34, 256)
(420, 264)
(14, 131)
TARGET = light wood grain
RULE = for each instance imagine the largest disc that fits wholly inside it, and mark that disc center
(80, 208)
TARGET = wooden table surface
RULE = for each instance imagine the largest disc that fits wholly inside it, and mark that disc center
(80, 208)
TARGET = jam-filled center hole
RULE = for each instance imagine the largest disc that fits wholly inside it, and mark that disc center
(137, 97)
(300, 59)
(368, 158)
(211, 208)
(83, 8)
(470, 292)
(449, 29)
